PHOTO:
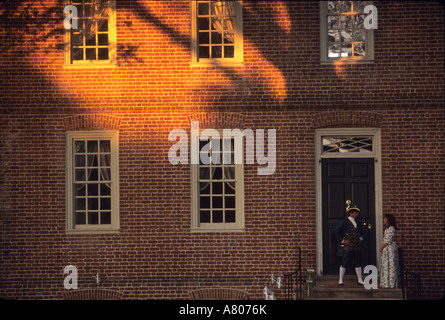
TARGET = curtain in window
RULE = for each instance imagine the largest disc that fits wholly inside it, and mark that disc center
(105, 162)
(224, 9)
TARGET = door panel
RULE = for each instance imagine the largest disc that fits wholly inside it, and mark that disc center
(347, 179)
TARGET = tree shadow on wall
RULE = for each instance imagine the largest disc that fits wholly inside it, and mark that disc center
(27, 27)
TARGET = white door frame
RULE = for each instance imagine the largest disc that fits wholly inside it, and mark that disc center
(319, 155)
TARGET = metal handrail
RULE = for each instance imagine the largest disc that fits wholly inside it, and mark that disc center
(409, 291)
(293, 289)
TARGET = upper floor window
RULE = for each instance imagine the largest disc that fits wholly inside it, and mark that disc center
(91, 40)
(217, 31)
(343, 35)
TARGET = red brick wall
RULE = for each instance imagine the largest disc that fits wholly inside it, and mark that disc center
(153, 89)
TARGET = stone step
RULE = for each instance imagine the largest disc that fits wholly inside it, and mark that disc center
(327, 288)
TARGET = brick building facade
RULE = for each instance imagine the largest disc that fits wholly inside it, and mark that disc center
(145, 73)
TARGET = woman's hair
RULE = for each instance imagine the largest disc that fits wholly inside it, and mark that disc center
(391, 220)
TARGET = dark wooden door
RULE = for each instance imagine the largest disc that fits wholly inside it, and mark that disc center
(347, 179)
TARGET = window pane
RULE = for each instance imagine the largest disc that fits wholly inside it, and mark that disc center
(90, 39)
(229, 38)
(92, 146)
(359, 35)
(77, 54)
(80, 218)
(102, 25)
(102, 39)
(90, 54)
(80, 189)
(80, 175)
(359, 49)
(80, 146)
(346, 50)
(204, 52)
(217, 202)
(216, 52)
(204, 173)
(204, 216)
(333, 36)
(89, 10)
(229, 187)
(93, 175)
(230, 216)
(204, 202)
(80, 161)
(105, 190)
(204, 38)
(105, 204)
(93, 204)
(217, 187)
(103, 54)
(93, 189)
(93, 218)
(216, 38)
(105, 174)
(203, 24)
(102, 9)
(333, 6)
(80, 204)
(345, 22)
(105, 218)
(345, 35)
(76, 39)
(105, 160)
(217, 173)
(217, 7)
(217, 216)
(229, 202)
(333, 22)
(204, 187)
(203, 8)
(92, 160)
(229, 52)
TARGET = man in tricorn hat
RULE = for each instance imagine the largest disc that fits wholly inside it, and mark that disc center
(349, 237)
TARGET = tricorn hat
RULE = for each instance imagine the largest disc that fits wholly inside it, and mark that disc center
(350, 207)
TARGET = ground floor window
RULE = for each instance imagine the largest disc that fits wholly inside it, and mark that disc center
(217, 181)
(92, 181)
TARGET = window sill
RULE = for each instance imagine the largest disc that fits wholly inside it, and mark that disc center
(90, 66)
(217, 230)
(212, 63)
(91, 231)
(346, 61)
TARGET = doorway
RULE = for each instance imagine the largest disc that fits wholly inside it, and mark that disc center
(347, 168)
(347, 179)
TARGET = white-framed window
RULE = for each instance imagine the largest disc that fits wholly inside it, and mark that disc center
(343, 36)
(217, 32)
(92, 181)
(217, 180)
(93, 42)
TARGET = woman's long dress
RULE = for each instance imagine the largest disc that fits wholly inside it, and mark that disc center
(389, 263)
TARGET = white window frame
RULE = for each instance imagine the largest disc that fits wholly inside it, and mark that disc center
(324, 59)
(111, 62)
(238, 225)
(375, 133)
(194, 45)
(113, 136)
